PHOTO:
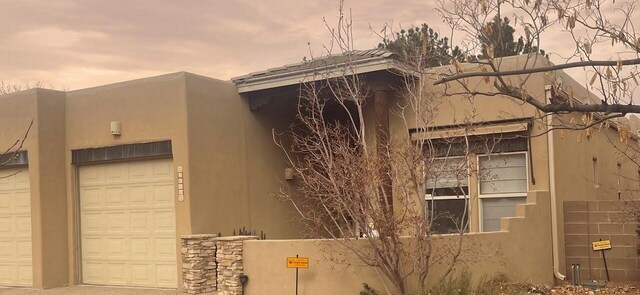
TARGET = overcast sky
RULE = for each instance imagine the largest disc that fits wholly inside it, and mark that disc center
(74, 44)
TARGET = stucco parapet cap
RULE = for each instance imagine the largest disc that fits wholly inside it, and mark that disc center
(198, 236)
(236, 238)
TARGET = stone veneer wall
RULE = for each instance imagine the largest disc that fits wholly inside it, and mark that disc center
(198, 264)
(230, 264)
(589, 221)
(212, 264)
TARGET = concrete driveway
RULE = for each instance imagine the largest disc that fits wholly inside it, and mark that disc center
(82, 290)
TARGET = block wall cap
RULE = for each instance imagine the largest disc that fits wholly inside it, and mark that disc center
(236, 238)
(198, 236)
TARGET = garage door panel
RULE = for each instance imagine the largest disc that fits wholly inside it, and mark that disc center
(91, 223)
(163, 195)
(6, 202)
(116, 197)
(116, 248)
(115, 173)
(140, 196)
(166, 275)
(8, 274)
(6, 226)
(22, 202)
(117, 273)
(164, 221)
(92, 248)
(165, 249)
(25, 275)
(91, 198)
(142, 274)
(117, 222)
(24, 250)
(21, 179)
(6, 181)
(141, 248)
(23, 226)
(139, 171)
(15, 228)
(93, 272)
(134, 230)
(15, 274)
(92, 175)
(8, 249)
(141, 222)
(162, 170)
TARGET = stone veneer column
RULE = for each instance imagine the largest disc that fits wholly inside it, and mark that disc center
(198, 264)
(230, 264)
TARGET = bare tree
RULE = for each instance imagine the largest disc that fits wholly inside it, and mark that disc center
(6, 88)
(366, 189)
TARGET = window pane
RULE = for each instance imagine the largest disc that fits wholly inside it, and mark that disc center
(503, 174)
(450, 215)
(495, 208)
(448, 177)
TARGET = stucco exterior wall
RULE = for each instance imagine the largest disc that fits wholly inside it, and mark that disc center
(231, 166)
(152, 109)
(333, 271)
(44, 144)
(266, 164)
(49, 209)
(450, 110)
(574, 154)
(217, 161)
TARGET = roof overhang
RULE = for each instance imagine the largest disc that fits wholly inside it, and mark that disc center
(256, 82)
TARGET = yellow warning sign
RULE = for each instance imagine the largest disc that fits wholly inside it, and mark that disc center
(601, 245)
(297, 262)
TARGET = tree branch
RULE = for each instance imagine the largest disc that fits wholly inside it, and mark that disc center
(578, 64)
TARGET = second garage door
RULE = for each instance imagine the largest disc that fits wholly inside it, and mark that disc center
(127, 221)
(15, 228)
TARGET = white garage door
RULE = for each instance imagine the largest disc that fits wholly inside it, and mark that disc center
(128, 224)
(15, 228)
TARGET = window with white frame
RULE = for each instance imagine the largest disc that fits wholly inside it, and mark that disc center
(446, 196)
(502, 185)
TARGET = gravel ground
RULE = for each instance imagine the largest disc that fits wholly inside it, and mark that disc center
(610, 289)
(86, 290)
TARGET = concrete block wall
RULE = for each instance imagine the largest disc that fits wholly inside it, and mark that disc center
(589, 221)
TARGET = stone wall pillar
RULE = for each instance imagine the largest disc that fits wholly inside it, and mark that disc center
(230, 264)
(198, 264)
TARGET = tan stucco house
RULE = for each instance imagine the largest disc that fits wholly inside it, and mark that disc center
(109, 178)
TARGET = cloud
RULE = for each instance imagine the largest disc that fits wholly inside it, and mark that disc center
(81, 43)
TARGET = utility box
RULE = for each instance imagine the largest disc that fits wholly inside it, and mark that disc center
(116, 128)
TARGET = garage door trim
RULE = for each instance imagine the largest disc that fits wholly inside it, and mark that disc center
(125, 152)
